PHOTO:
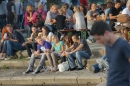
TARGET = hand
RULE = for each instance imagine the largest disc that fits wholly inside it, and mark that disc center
(7, 38)
(66, 53)
(63, 54)
(23, 44)
(94, 14)
(36, 52)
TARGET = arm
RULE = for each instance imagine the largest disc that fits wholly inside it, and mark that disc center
(70, 48)
(78, 48)
(129, 59)
(112, 17)
(74, 19)
(52, 48)
(63, 48)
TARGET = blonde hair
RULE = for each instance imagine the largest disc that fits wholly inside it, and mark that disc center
(9, 26)
(29, 8)
(54, 6)
(40, 6)
(60, 11)
(38, 37)
(77, 8)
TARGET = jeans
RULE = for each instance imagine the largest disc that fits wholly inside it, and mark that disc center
(96, 66)
(28, 29)
(40, 65)
(11, 46)
(51, 27)
(29, 46)
(78, 56)
(2, 23)
(2, 47)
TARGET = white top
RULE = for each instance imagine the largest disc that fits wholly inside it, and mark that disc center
(19, 6)
(41, 2)
(49, 36)
(3, 8)
(126, 11)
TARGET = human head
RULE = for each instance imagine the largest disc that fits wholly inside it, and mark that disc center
(93, 6)
(128, 5)
(82, 7)
(66, 5)
(76, 9)
(55, 39)
(109, 4)
(64, 9)
(54, 9)
(101, 32)
(45, 30)
(34, 29)
(51, 5)
(29, 8)
(117, 4)
(39, 40)
(68, 40)
(40, 7)
(9, 28)
(60, 11)
(75, 38)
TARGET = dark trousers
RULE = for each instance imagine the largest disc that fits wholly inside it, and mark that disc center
(2, 48)
(29, 47)
(20, 21)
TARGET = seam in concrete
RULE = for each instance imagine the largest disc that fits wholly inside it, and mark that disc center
(77, 81)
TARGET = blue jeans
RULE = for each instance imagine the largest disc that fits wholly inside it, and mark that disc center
(28, 29)
(2, 23)
(78, 56)
(11, 46)
(96, 66)
(51, 27)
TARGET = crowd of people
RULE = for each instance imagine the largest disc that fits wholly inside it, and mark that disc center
(43, 29)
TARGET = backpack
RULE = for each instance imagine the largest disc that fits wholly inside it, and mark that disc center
(40, 21)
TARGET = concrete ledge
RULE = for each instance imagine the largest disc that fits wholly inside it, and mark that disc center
(50, 80)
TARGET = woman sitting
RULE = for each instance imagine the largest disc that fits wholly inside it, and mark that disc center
(55, 53)
(31, 43)
(46, 34)
(69, 43)
(2, 47)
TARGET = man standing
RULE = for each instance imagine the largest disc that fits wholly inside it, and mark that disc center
(11, 12)
(117, 54)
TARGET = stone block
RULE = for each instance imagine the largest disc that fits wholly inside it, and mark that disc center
(5, 63)
(43, 80)
(66, 80)
(22, 53)
(88, 80)
(5, 81)
(22, 80)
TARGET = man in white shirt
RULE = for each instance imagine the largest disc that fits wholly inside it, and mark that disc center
(127, 9)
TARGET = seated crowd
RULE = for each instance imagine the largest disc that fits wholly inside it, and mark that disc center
(45, 39)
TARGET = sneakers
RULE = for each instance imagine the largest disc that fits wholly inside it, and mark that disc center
(80, 68)
(36, 72)
(28, 71)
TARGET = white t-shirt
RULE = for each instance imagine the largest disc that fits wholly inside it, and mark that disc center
(49, 36)
(126, 11)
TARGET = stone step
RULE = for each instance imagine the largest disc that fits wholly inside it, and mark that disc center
(78, 78)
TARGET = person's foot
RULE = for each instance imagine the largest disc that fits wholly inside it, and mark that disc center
(28, 71)
(72, 69)
(80, 68)
(36, 72)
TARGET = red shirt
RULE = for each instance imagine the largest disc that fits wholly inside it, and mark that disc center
(84, 2)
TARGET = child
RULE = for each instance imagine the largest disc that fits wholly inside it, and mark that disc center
(60, 22)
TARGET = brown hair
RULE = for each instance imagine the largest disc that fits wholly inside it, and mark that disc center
(77, 8)
(69, 42)
(51, 4)
(4, 30)
(109, 4)
(60, 11)
(66, 5)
